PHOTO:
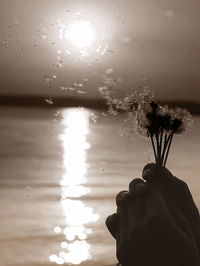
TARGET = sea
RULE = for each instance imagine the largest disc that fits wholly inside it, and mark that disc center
(60, 170)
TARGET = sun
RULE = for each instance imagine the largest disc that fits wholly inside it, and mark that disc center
(81, 33)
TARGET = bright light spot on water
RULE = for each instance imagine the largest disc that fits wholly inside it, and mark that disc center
(71, 232)
(77, 214)
(64, 244)
(75, 147)
(81, 33)
(56, 259)
(74, 191)
(78, 252)
(57, 229)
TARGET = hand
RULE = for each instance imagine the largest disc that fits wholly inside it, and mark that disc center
(157, 222)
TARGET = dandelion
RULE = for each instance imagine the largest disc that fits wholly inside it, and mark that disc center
(160, 123)
(157, 122)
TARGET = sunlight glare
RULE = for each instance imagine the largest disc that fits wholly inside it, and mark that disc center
(81, 33)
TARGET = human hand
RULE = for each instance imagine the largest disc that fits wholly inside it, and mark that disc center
(157, 222)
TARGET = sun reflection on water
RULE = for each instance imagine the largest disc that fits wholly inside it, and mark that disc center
(75, 247)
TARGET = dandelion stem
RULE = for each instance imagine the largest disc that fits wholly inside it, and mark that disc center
(166, 141)
(154, 150)
(161, 139)
(168, 148)
(158, 148)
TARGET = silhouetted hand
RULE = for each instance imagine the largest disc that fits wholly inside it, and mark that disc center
(157, 222)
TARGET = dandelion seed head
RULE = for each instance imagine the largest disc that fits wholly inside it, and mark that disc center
(142, 123)
(182, 120)
(145, 97)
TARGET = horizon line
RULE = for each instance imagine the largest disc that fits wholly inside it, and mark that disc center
(96, 103)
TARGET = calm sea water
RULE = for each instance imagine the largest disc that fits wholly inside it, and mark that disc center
(59, 174)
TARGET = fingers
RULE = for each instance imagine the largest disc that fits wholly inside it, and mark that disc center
(112, 222)
(135, 209)
(137, 187)
(130, 209)
(131, 205)
(153, 170)
(122, 200)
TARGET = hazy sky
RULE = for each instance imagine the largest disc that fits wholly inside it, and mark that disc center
(156, 40)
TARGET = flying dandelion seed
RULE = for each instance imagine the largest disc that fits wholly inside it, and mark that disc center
(81, 92)
(16, 22)
(58, 116)
(68, 52)
(93, 118)
(109, 71)
(49, 101)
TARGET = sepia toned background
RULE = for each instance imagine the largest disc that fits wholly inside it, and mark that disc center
(62, 158)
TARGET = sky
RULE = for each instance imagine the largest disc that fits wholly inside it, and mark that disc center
(46, 49)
